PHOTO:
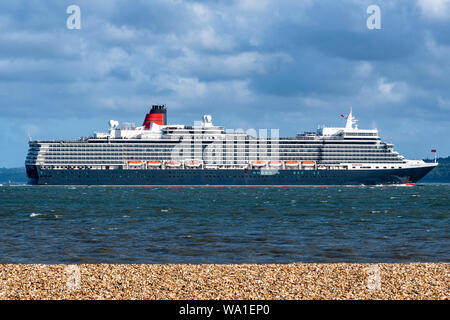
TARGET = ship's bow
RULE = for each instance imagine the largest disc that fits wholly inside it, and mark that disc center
(420, 172)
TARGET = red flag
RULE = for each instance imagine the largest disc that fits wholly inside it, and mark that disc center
(434, 150)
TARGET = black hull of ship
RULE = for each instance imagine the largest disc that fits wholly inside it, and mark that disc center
(204, 177)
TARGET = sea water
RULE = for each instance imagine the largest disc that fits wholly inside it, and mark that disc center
(224, 225)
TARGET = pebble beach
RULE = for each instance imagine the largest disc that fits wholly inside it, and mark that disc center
(216, 281)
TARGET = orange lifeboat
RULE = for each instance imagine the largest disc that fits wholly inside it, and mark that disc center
(134, 163)
(275, 163)
(193, 163)
(154, 163)
(291, 163)
(173, 164)
(308, 163)
(258, 163)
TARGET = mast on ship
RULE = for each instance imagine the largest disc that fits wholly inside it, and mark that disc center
(351, 121)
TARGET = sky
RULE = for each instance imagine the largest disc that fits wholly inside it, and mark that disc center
(284, 64)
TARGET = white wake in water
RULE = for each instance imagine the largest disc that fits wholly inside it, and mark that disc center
(32, 215)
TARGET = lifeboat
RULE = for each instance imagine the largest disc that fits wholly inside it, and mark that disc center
(308, 163)
(173, 164)
(193, 163)
(135, 163)
(154, 163)
(291, 163)
(258, 163)
(275, 164)
(321, 167)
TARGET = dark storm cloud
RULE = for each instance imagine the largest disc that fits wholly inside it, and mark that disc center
(237, 60)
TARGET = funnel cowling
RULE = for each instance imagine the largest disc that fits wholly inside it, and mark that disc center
(158, 115)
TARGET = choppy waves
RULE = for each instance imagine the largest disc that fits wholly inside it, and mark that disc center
(224, 225)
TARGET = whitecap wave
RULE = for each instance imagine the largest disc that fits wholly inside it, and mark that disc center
(33, 214)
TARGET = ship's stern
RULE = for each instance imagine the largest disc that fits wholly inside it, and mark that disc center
(32, 174)
(31, 162)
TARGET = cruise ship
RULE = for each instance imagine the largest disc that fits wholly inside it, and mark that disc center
(161, 154)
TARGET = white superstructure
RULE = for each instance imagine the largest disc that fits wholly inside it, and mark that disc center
(204, 145)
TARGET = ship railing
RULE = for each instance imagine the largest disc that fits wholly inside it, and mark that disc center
(144, 165)
(253, 165)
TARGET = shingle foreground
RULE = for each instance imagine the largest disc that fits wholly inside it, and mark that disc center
(208, 281)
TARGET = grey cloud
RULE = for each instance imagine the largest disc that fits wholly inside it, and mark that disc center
(308, 60)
